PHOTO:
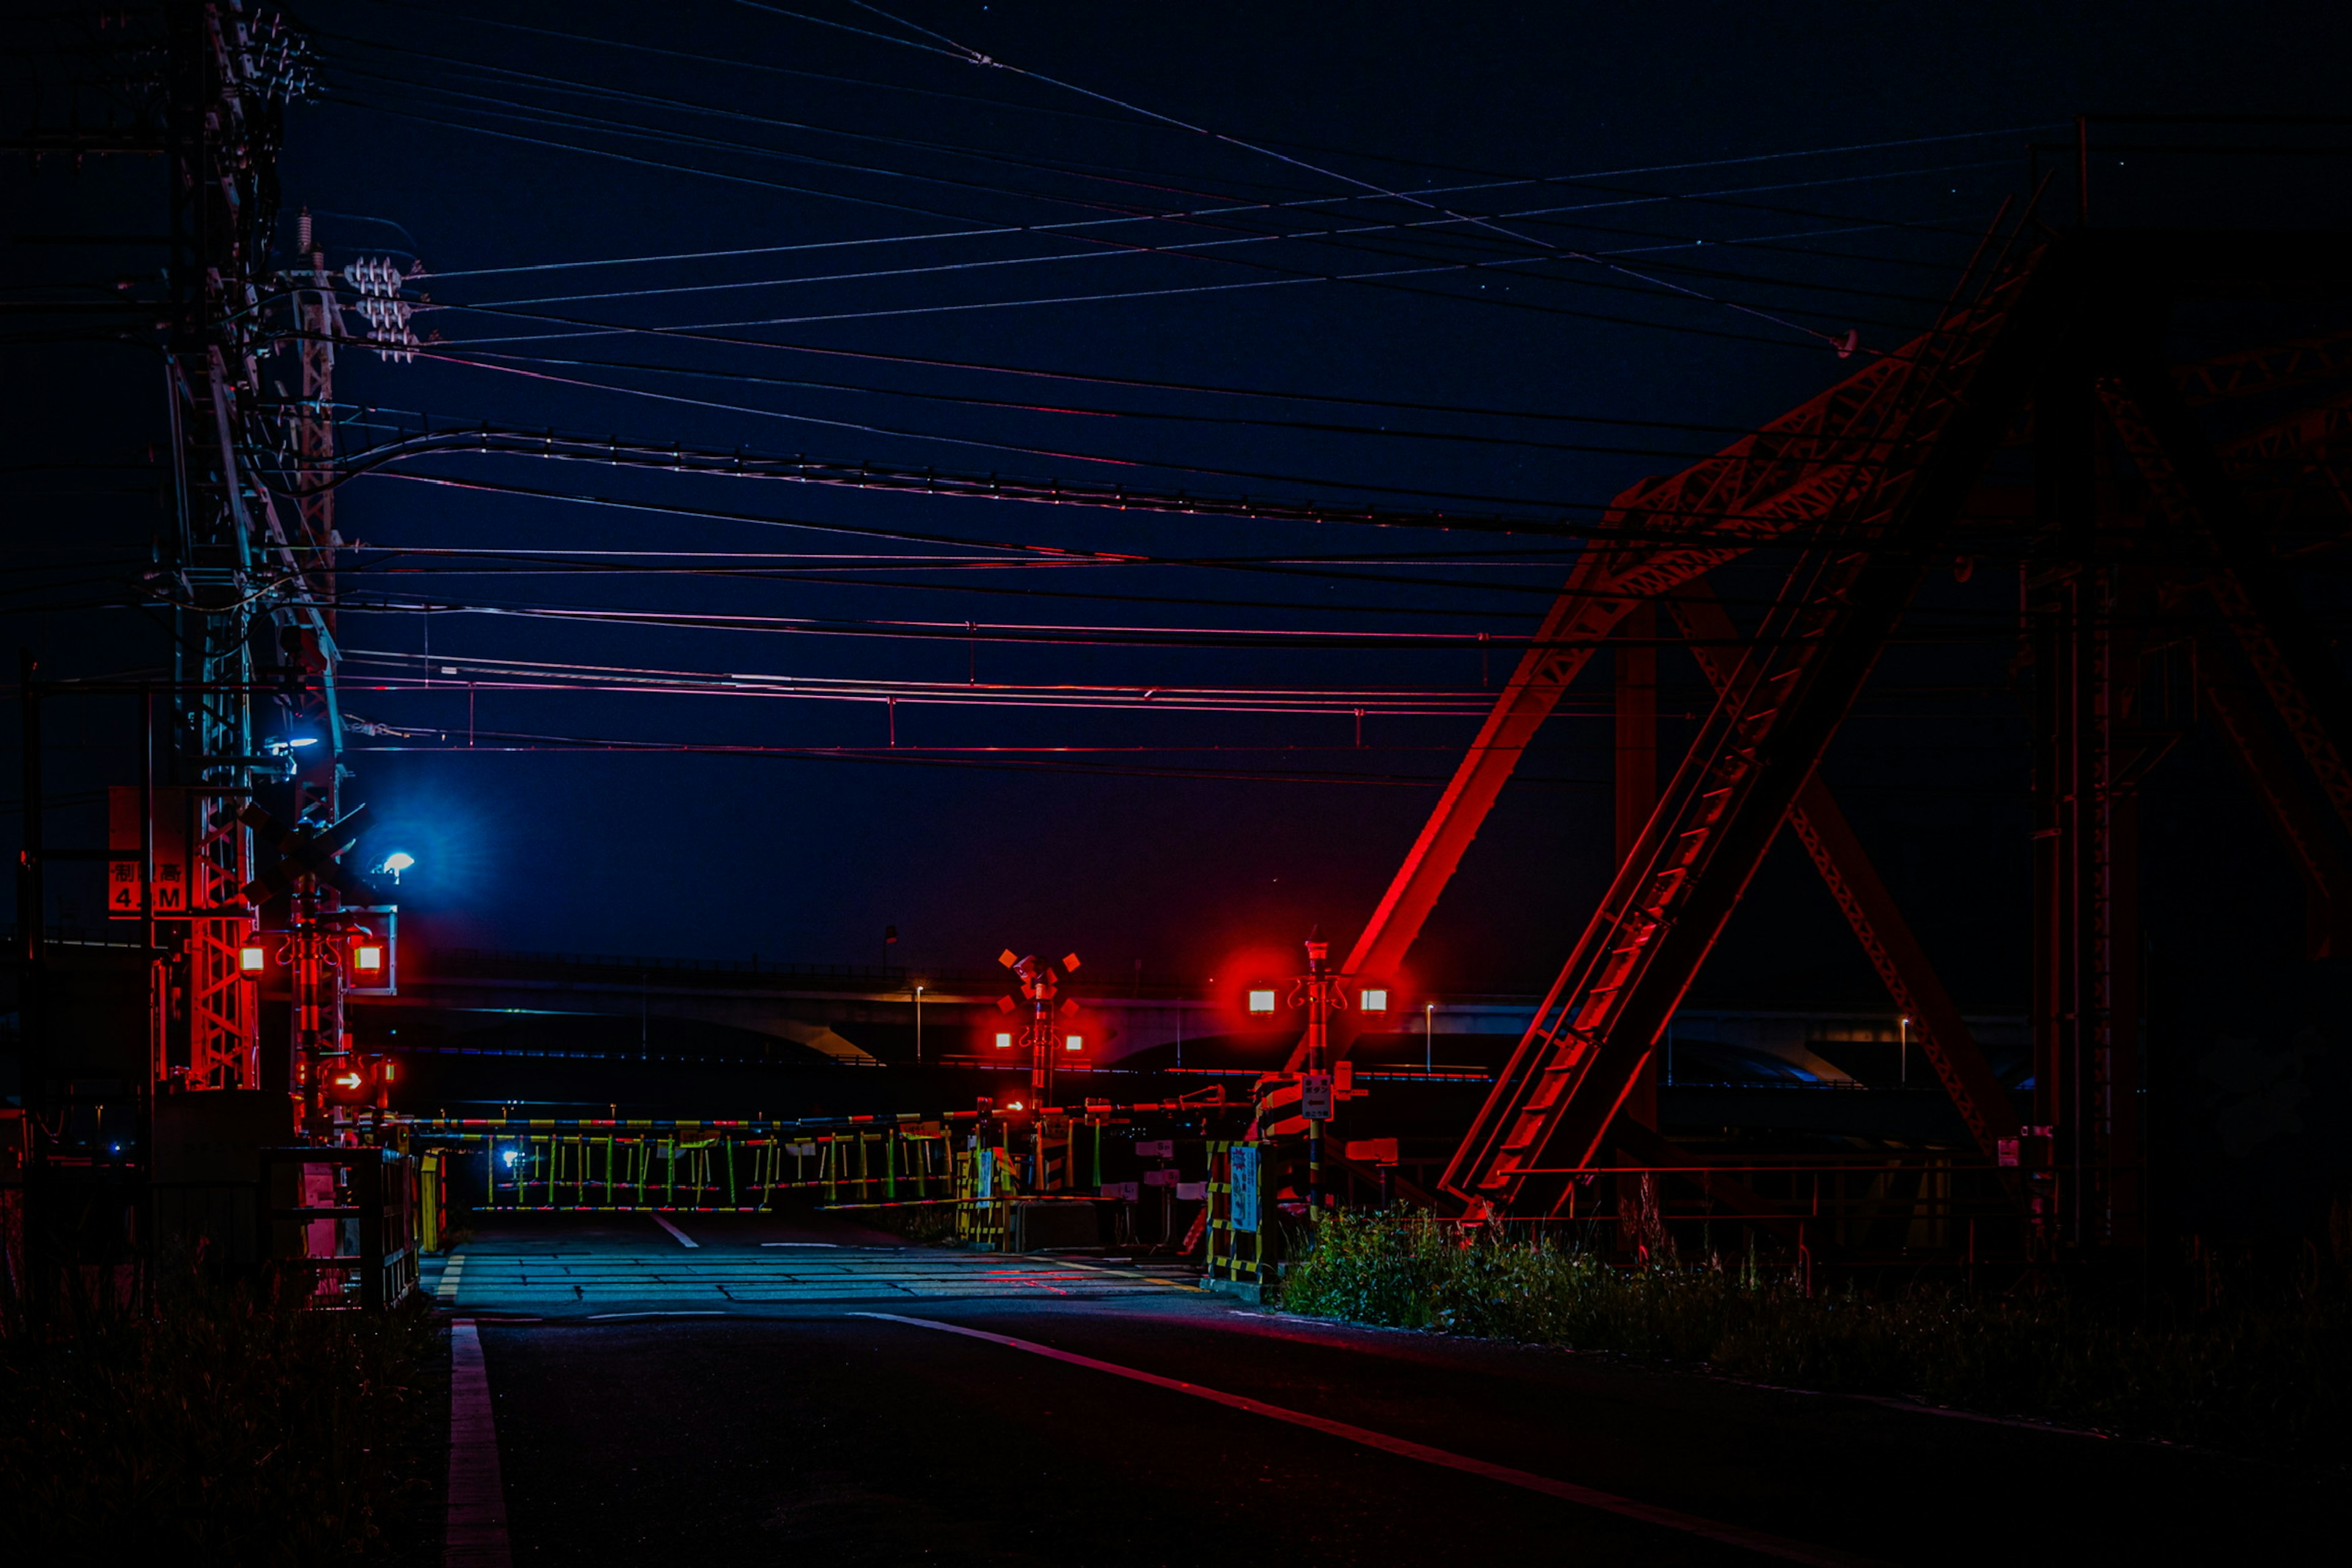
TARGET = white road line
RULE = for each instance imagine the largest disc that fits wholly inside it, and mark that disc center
(446, 1288)
(476, 1533)
(1608, 1502)
(683, 1239)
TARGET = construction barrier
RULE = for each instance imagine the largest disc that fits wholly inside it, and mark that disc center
(687, 1167)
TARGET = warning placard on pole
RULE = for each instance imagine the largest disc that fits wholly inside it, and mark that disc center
(1244, 1160)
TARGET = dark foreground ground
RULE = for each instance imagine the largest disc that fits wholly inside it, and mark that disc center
(785, 1427)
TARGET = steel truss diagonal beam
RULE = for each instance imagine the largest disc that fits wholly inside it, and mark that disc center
(1763, 487)
(2302, 826)
(1955, 399)
(1885, 936)
(2248, 585)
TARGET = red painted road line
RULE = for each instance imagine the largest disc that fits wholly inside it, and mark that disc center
(476, 1533)
(1590, 1497)
(683, 1239)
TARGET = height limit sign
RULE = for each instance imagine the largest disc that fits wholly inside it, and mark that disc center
(124, 899)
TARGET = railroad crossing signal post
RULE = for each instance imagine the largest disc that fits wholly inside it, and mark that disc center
(1040, 985)
(1318, 992)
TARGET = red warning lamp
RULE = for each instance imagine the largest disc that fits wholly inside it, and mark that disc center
(1261, 999)
(250, 958)
(1373, 999)
(1074, 1042)
(367, 957)
(1003, 1041)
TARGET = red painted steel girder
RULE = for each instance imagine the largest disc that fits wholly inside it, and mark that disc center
(1940, 410)
(1877, 923)
(1761, 489)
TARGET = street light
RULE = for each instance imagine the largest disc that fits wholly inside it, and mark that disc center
(1903, 1051)
(1429, 1037)
(396, 862)
(919, 1025)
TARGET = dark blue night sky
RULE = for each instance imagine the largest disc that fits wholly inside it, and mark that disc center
(1488, 259)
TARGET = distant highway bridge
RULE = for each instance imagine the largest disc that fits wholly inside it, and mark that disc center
(865, 1015)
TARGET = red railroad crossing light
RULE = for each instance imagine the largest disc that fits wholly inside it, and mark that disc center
(251, 958)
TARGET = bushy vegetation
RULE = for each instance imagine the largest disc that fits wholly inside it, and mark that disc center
(223, 1424)
(2265, 1369)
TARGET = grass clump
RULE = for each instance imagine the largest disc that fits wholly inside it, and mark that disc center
(2261, 1372)
(225, 1425)
(931, 1225)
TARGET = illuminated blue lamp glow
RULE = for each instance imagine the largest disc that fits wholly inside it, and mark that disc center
(396, 862)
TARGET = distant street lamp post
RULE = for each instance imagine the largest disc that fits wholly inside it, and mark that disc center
(919, 1025)
(1429, 1037)
(1902, 1050)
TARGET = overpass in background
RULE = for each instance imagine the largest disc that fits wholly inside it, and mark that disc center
(865, 1016)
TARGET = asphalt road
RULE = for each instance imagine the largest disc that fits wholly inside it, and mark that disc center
(803, 1429)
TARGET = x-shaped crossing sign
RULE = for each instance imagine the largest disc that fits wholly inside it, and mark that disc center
(304, 852)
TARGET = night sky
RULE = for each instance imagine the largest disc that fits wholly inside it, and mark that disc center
(1484, 259)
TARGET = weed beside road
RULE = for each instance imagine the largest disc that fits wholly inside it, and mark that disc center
(225, 1425)
(2260, 1371)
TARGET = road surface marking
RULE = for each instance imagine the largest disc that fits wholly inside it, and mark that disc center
(446, 1289)
(799, 1244)
(1590, 1497)
(683, 1239)
(476, 1534)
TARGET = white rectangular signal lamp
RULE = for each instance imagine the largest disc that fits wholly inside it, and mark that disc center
(1376, 999)
(1261, 1002)
(1003, 1042)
